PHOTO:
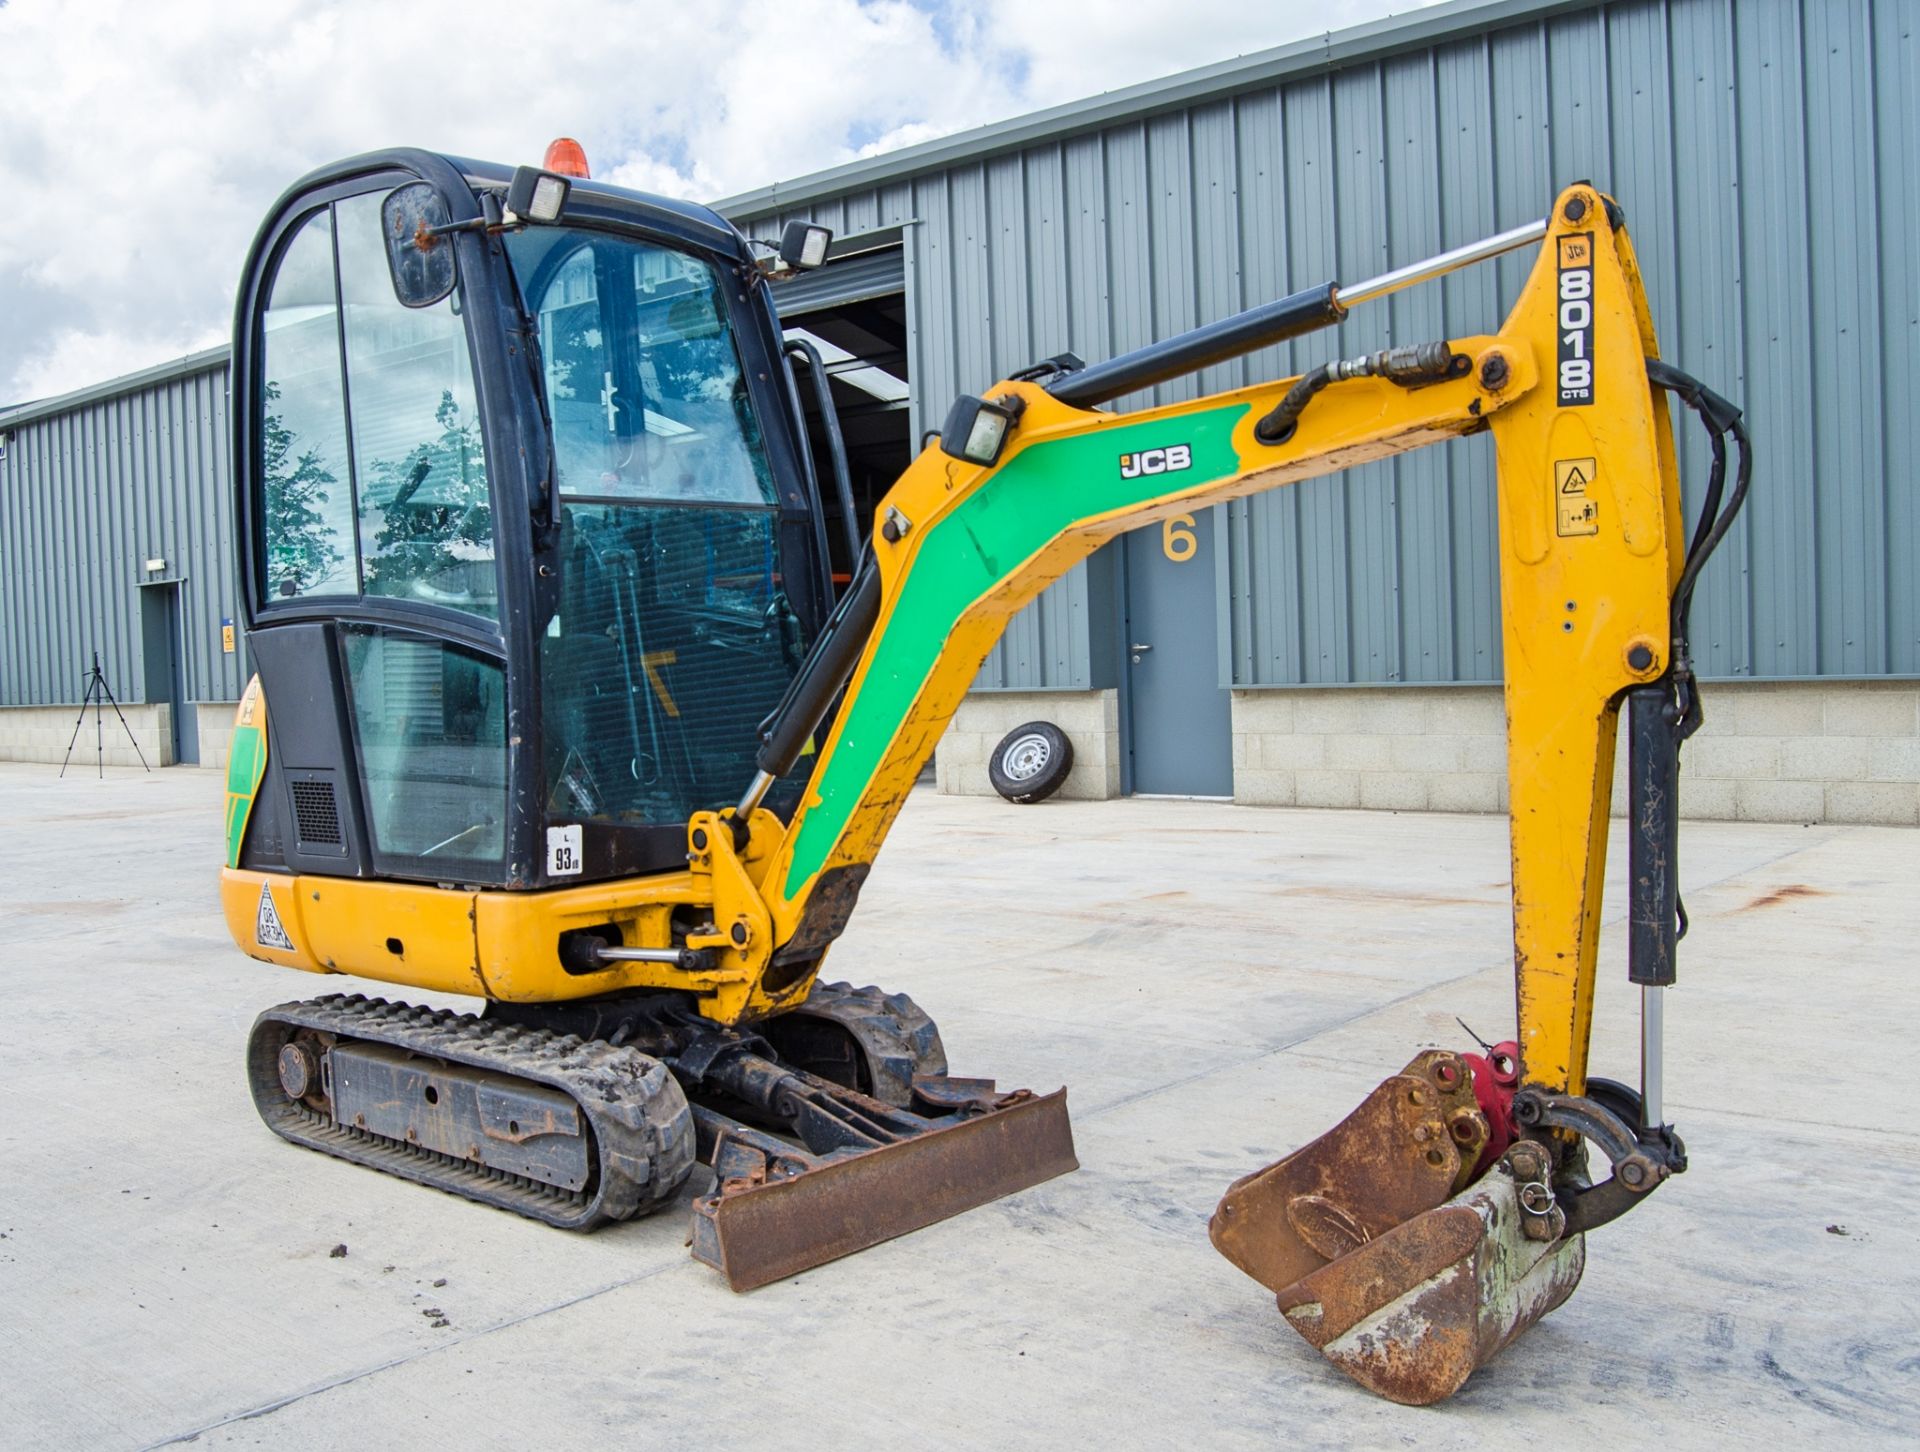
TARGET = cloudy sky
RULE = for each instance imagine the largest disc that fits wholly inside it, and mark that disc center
(142, 140)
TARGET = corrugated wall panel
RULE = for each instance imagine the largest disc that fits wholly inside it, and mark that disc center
(1764, 150)
(86, 498)
(1896, 92)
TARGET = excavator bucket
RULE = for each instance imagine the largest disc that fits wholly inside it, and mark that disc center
(1411, 1315)
(1412, 1142)
(1384, 1250)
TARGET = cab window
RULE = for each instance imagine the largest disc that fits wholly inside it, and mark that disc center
(644, 384)
(373, 473)
(426, 522)
(306, 488)
(672, 635)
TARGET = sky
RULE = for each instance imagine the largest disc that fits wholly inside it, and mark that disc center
(141, 141)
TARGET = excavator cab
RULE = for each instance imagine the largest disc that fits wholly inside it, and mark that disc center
(537, 553)
(531, 545)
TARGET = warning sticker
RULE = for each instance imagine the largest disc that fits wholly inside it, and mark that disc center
(1575, 510)
(267, 931)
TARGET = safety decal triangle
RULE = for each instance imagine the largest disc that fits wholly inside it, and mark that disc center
(266, 924)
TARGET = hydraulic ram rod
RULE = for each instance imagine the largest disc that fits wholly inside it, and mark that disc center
(1292, 316)
(1441, 264)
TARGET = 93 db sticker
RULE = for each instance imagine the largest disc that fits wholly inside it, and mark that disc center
(267, 931)
(1576, 320)
(563, 851)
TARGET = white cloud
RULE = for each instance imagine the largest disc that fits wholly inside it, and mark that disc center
(140, 144)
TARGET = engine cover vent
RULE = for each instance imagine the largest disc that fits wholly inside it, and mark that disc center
(316, 814)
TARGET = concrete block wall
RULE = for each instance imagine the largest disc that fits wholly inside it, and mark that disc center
(1091, 720)
(216, 732)
(1771, 751)
(41, 733)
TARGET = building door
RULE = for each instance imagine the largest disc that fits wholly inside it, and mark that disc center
(163, 658)
(1180, 719)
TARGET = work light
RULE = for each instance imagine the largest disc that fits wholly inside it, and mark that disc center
(976, 430)
(535, 195)
(804, 245)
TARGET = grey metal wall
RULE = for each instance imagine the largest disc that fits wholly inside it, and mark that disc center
(1766, 152)
(88, 494)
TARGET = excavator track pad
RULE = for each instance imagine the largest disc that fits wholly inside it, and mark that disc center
(570, 1131)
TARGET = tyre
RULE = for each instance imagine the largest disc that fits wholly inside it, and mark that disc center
(1031, 762)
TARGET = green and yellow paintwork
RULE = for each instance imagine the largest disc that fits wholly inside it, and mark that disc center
(246, 764)
(980, 543)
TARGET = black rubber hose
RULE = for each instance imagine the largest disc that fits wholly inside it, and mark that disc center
(1409, 365)
(836, 445)
(1278, 426)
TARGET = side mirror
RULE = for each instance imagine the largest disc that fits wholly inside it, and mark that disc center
(419, 252)
(804, 245)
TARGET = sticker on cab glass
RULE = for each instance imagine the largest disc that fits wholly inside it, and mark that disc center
(564, 858)
(267, 931)
(1576, 321)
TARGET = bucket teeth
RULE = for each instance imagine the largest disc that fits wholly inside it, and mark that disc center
(1408, 1146)
(1412, 1314)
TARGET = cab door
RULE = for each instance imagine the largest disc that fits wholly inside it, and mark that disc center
(375, 593)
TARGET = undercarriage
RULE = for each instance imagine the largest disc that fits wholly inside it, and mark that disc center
(827, 1130)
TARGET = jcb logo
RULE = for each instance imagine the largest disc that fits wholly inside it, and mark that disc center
(1169, 460)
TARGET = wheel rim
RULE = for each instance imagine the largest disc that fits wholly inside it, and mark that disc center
(1026, 757)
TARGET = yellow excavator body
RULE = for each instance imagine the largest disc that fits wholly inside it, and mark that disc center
(1410, 1243)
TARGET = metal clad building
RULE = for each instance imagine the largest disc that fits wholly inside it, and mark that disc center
(1764, 151)
(1761, 150)
(96, 487)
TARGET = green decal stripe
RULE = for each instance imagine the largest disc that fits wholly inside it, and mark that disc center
(246, 764)
(1042, 492)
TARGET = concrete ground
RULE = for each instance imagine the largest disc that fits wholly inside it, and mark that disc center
(1216, 984)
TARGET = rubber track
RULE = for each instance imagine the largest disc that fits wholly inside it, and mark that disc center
(642, 1130)
(898, 1037)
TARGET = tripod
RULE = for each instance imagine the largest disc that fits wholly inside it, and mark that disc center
(98, 691)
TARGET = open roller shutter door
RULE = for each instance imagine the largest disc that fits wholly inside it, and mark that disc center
(857, 278)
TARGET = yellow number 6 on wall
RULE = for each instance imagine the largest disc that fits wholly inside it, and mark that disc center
(1177, 539)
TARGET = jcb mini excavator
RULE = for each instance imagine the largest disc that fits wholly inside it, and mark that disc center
(557, 707)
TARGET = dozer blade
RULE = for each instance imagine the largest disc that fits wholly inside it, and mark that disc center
(776, 1212)
(1412, 1314)
(1411, 1143)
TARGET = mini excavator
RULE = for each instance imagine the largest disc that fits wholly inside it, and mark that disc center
(557, 706)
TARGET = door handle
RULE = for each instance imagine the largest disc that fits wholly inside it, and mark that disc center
(1138, 651)
(1139, 647)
